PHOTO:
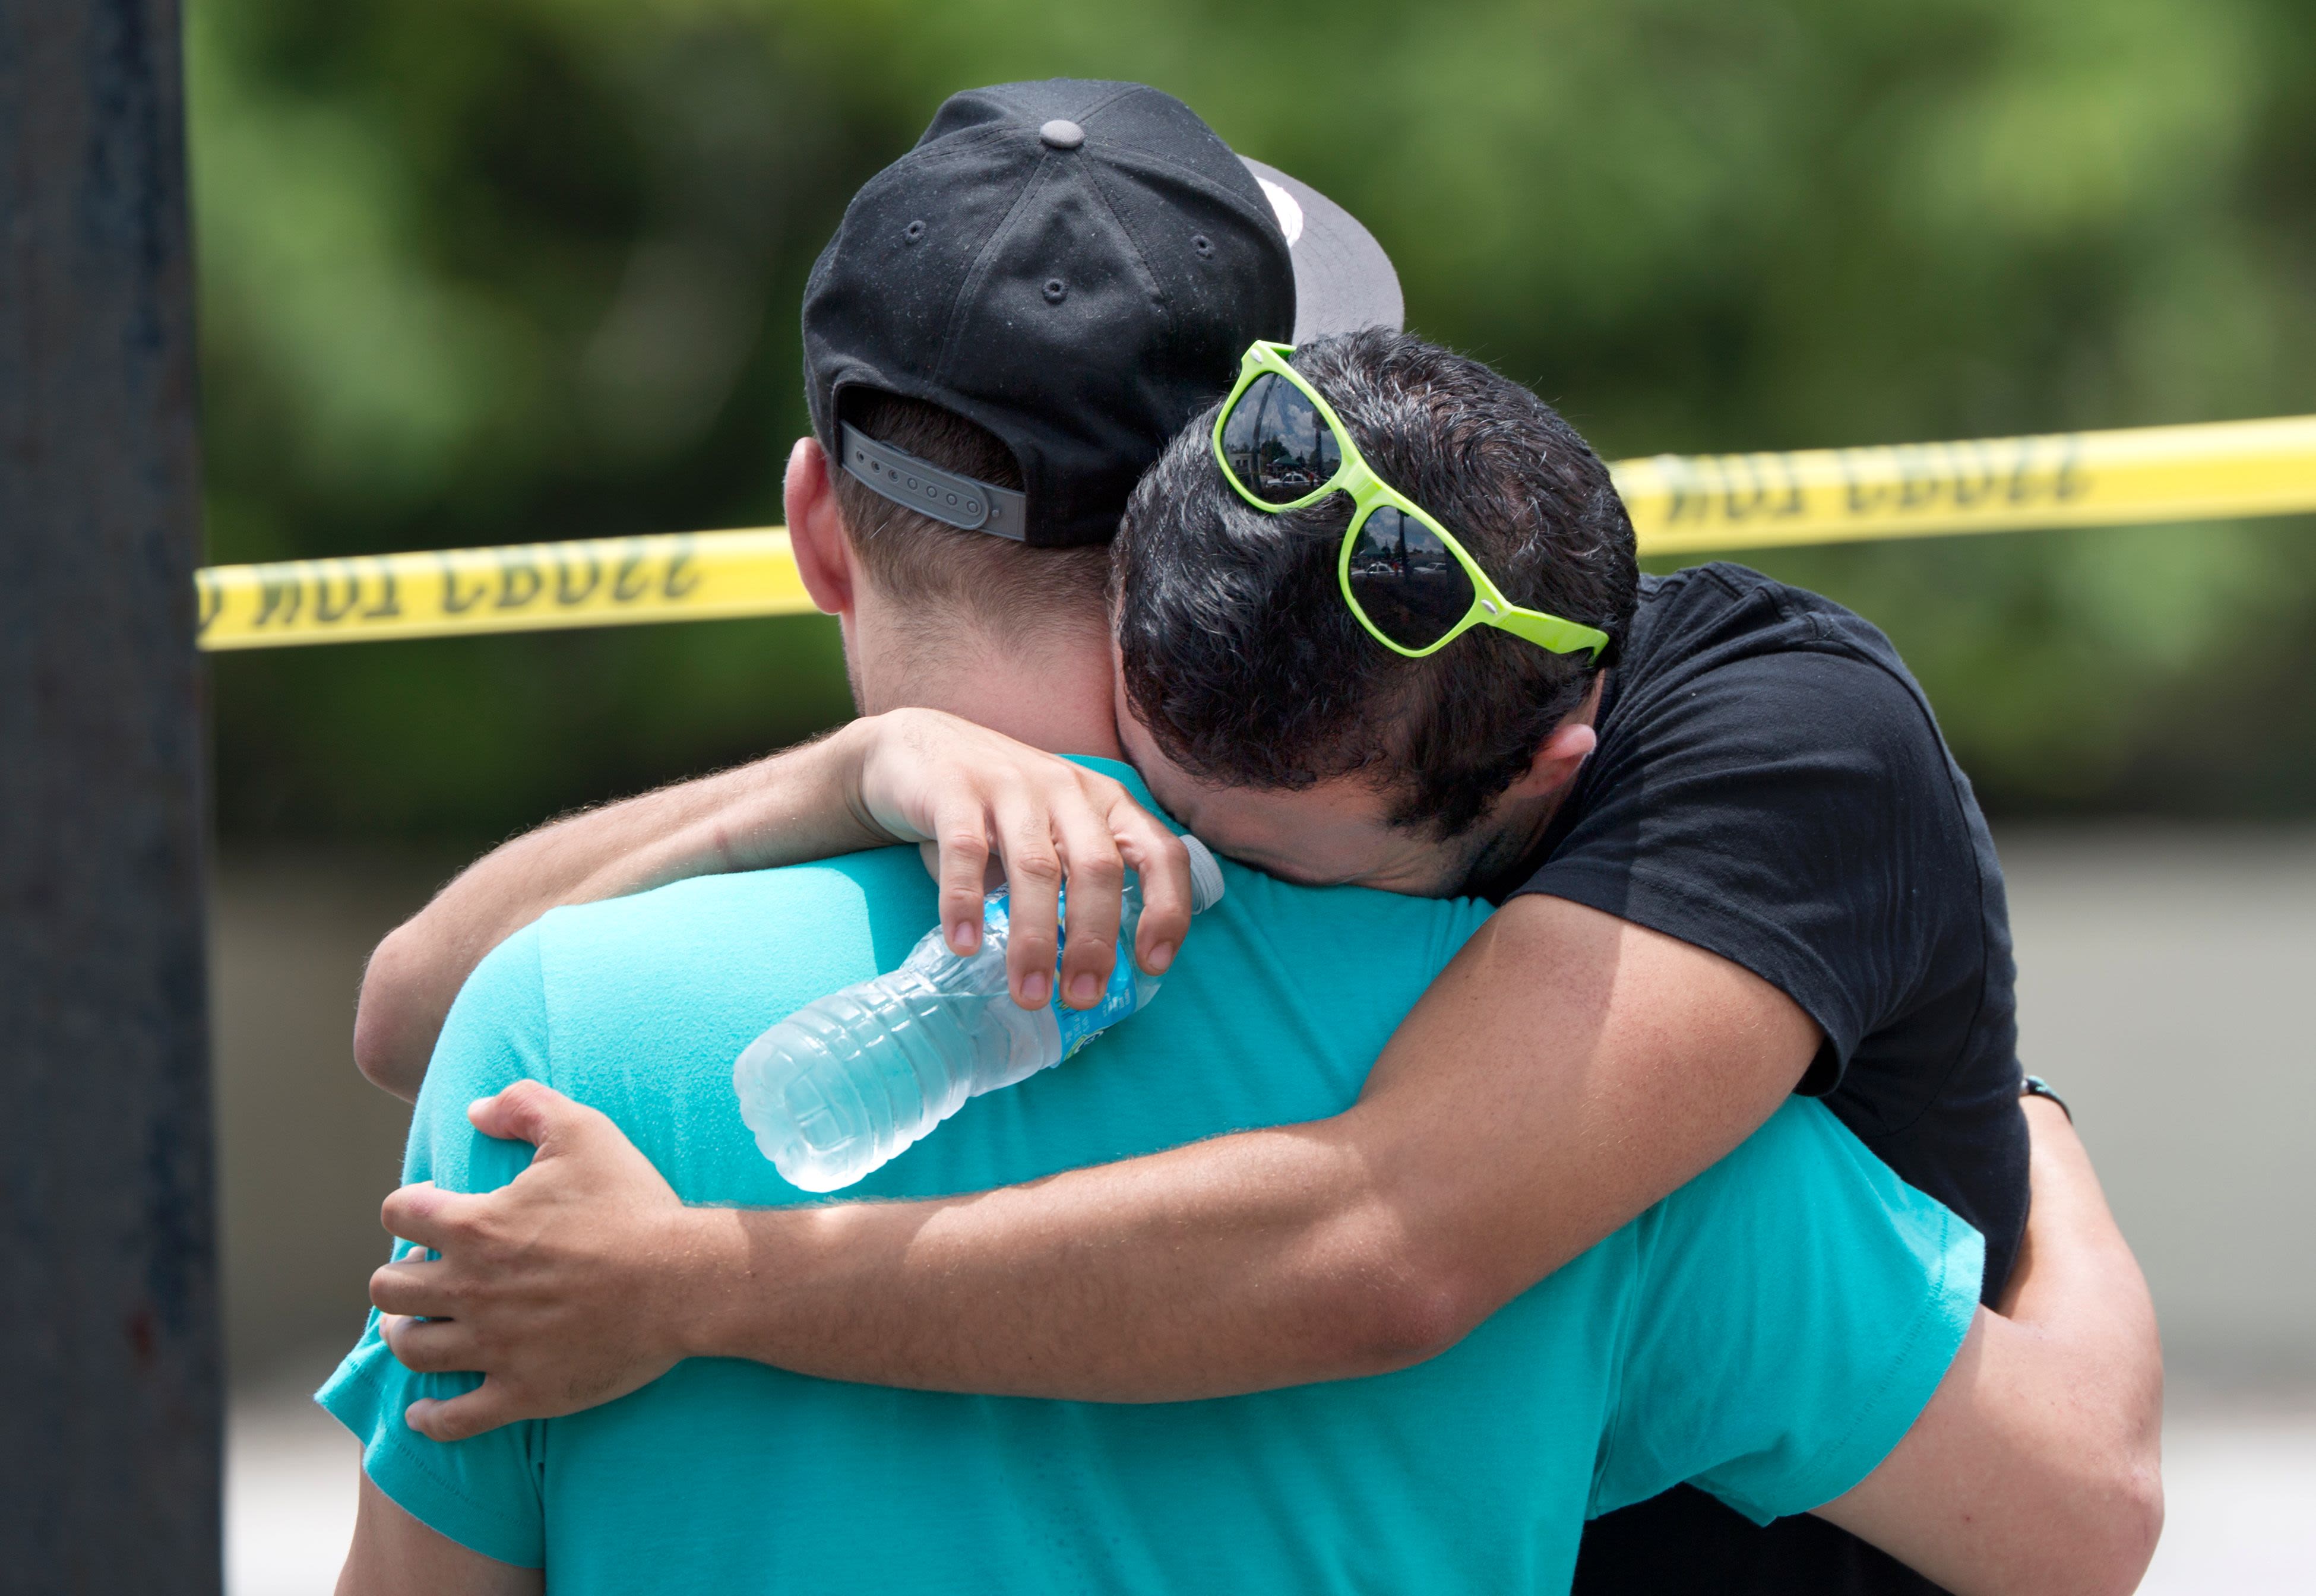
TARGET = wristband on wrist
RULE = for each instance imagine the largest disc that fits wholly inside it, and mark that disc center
(2036, 1086)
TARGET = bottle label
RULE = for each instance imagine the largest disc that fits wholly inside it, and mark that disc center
(1081, 1026)
(1077, 1026)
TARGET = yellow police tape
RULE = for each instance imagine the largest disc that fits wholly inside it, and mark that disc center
(1704, 504)
(1680, 505)
(524, 587)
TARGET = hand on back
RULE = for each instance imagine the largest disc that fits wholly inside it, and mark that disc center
(563, 1290)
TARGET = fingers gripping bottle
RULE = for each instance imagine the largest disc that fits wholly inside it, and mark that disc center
(842, 1086)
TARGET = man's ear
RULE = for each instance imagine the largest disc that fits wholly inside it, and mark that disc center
(1560, 755)
(824, 550)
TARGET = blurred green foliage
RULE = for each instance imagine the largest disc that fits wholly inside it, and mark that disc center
(488, 270)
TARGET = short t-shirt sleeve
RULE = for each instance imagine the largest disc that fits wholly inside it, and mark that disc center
(1794, 1310)
(1786, 810)
(485, 1492)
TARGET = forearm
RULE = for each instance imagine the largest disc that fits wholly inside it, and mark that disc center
(792, 805)
(1270, 1258)
(2077, 1287)
(2087, 1378)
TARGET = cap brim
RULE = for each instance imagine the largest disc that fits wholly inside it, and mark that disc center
(1343, 280)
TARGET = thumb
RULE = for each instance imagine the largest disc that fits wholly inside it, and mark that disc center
(485, 1408)
(527, 1110)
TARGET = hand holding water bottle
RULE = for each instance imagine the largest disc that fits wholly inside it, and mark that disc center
(917, 775)
(845, 1084)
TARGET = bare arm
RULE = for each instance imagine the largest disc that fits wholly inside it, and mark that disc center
(2035, 1468)
(911, 776)
(394, 1555)
(1343, 1247)
(741, 819)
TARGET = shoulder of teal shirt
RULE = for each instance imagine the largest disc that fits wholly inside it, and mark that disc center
(1796, 1306)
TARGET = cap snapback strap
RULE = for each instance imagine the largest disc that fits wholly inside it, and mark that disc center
(962, 502)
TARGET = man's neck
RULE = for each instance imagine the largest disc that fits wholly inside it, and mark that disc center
(1051, 692)
(1506, 855)
(1514, 835)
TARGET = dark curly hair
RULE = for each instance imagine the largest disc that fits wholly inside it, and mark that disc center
(1248, 670)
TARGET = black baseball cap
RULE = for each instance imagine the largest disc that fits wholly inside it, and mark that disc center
(1077, 266)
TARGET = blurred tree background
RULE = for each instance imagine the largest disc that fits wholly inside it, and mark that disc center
(492, 270)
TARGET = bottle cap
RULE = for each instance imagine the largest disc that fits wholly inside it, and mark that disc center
(1206, 875)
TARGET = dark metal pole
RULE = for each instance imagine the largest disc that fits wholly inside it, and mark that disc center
(110, 1398)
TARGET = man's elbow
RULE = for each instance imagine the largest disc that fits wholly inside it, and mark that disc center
(2132, 1517)
(2102, 1543)
(1397, 1310)
(2124, 1491)
(386, 1049)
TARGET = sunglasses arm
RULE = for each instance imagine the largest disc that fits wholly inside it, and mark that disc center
(1549, 631)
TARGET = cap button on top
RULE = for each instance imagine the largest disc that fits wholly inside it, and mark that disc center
(1061, 134)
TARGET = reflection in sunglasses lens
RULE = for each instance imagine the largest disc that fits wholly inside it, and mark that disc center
(1278, 444)
(1404, 580)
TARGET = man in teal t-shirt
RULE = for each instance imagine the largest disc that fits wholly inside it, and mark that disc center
(1666, 1354)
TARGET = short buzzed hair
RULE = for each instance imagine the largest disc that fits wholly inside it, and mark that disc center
(1245, 665)
(1008, 587)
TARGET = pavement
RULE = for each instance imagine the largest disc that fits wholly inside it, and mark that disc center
(2162, 974)
(290, 1474)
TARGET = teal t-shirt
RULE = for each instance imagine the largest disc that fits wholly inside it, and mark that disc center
(1767, 1332)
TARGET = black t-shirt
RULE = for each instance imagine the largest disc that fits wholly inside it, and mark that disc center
(1771, 786)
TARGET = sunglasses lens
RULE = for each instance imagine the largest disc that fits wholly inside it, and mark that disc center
(1278, 444)
(1404, 580)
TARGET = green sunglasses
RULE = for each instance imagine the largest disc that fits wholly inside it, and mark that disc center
(1406, 578)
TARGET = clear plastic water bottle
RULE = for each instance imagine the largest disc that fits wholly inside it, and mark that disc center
(842, 1086)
